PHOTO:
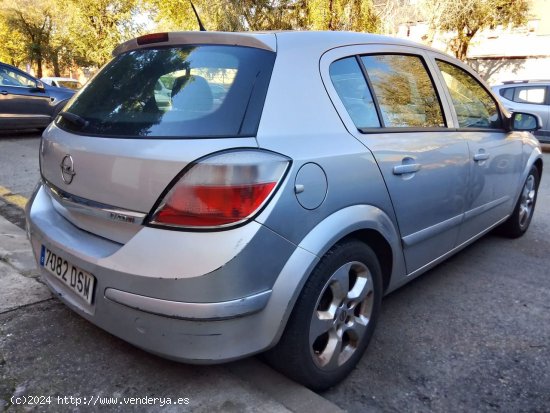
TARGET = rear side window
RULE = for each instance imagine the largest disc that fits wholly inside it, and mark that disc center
(184, 91)
(404, 91)
(474, 106)
(507, 93)
(351, 86)
(530, 94)
(10, 77)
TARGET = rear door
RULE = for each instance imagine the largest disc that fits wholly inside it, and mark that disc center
(395, 112)
(495, 155)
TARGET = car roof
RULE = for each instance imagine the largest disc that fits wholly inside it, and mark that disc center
(65, 79)
(319, 40)
(514, 83)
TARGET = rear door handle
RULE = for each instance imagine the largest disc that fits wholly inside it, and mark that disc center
(406, 169)
(481, 156)
(4, 92)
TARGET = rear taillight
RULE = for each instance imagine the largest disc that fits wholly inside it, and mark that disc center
(222, 190)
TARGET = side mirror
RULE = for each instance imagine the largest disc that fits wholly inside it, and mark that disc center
(525, 122)
(40, 86)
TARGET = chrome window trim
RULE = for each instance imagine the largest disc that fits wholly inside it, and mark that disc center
(20, 87)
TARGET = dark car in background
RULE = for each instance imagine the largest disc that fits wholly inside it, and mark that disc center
(26, 102)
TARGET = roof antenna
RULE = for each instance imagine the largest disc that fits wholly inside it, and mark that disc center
(201, 27)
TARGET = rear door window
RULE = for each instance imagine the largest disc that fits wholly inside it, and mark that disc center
(9, 77)
(351, 86)
(183, 91)
(404, 90)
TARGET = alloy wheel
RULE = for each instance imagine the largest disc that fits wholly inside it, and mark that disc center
(527, 201)
(341, 315)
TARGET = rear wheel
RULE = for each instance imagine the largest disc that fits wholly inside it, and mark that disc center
(518, 223)
(334, 318)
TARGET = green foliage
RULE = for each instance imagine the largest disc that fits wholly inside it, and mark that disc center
(258, 15)
(13, 50)
(353, 15)
(33, 23)
(98, 26)
(64, 33)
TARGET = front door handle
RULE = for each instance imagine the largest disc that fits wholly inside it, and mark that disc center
(406, 169)
(481, 156)
(4, 92)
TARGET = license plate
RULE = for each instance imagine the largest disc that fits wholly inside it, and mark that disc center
(79, 281)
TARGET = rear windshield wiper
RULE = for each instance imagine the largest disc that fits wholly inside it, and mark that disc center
(76, 120)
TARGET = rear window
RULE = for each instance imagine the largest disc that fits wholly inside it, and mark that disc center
(530, 94)
(184, 91)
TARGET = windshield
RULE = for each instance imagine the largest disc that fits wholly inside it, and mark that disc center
(183, 91)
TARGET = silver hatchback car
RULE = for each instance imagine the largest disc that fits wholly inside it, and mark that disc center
(291, 181)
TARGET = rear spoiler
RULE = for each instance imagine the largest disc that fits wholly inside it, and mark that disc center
(266, 41)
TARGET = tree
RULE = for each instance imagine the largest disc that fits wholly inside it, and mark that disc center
(32, 21)
(354, 15)
(227, 15)
(465, 18)
(13, 50)
(96, 27)
(258, 15)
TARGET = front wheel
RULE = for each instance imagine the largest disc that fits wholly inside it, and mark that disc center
(334, 318)
(518, 223)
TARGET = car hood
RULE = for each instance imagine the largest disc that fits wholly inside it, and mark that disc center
(59, 93)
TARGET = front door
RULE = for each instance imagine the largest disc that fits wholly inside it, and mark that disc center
(495, 154)
(22, 104)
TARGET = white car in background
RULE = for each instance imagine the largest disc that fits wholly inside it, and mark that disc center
(531, 96)
(65, 82)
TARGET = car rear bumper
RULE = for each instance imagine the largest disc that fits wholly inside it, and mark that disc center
(172, 316)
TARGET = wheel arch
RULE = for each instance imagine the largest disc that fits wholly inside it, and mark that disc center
(381, 248)
(367, 223)
(539, 165)
(535, 159)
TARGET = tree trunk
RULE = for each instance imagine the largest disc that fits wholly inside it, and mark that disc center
(39, 60)
(331, 15)
(55, 63)
(463, 43)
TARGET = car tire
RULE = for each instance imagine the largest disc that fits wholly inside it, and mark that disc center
(518, 223)
(334, 318)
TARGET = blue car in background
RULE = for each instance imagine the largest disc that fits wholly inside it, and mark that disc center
(26, 102)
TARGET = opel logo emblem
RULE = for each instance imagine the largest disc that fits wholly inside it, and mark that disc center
(67, 169)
